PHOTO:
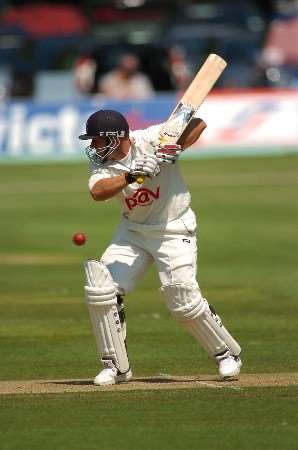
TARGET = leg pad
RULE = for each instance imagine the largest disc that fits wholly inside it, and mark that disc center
(102, 305)
(189, 307)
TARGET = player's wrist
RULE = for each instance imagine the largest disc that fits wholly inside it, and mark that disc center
(129, 178)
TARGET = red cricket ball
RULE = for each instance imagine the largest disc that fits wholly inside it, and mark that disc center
(79, 238)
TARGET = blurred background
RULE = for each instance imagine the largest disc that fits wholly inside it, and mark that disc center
(61, 60)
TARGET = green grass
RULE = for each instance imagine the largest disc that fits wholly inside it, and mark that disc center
(258, 419)
(248, 221)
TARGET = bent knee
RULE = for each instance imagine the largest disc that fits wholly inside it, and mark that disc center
(184, 301)
(99, 288)
(123, 280)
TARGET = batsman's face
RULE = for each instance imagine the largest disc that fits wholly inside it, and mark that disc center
(98, 142)
(103, 146)
(106, 147)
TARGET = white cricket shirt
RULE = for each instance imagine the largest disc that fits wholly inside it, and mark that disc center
(158, 200)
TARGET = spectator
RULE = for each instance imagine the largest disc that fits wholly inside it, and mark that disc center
(126, 81)
(84, 74)
(181, 73)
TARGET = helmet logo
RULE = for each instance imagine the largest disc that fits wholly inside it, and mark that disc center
(118, 134)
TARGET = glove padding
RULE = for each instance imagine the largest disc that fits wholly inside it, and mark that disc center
(168, 153)
(146, 165)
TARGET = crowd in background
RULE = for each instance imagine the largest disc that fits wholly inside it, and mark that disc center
(135, 48)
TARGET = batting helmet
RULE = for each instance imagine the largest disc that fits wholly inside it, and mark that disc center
(108, 124)
(105, 122)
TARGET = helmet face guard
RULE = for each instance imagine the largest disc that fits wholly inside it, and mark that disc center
(101, 154)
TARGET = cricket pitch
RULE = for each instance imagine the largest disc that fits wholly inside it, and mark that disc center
(161, 381)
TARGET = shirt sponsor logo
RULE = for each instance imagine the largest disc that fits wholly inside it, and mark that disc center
(142, 197)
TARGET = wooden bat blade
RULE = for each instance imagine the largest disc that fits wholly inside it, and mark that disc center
(192, 98)
(204, 81)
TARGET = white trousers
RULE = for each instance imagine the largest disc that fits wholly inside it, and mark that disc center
(173, 250)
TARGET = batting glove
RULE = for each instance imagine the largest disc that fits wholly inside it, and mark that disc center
(168, 153)
(146, 165)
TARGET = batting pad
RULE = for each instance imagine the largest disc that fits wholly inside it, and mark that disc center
(192, 310)
(102, 305)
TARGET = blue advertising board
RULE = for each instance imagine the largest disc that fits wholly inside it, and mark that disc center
(49, 131)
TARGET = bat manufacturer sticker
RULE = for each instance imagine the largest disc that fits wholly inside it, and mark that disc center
(178, 120)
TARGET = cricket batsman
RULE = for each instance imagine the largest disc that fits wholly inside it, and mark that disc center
(156, 226)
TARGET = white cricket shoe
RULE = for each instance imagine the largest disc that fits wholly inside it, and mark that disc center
(229, 367)
(111, 375)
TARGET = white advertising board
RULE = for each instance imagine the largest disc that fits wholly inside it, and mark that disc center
(249, 121)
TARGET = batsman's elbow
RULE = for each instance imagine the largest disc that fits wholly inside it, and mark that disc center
(98, 196)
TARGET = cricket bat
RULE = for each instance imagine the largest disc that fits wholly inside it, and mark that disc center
(191, 100)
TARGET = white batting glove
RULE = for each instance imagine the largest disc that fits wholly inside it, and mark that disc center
(168, 153)
(146, 165)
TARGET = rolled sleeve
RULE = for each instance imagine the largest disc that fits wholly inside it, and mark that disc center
(95, 177)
